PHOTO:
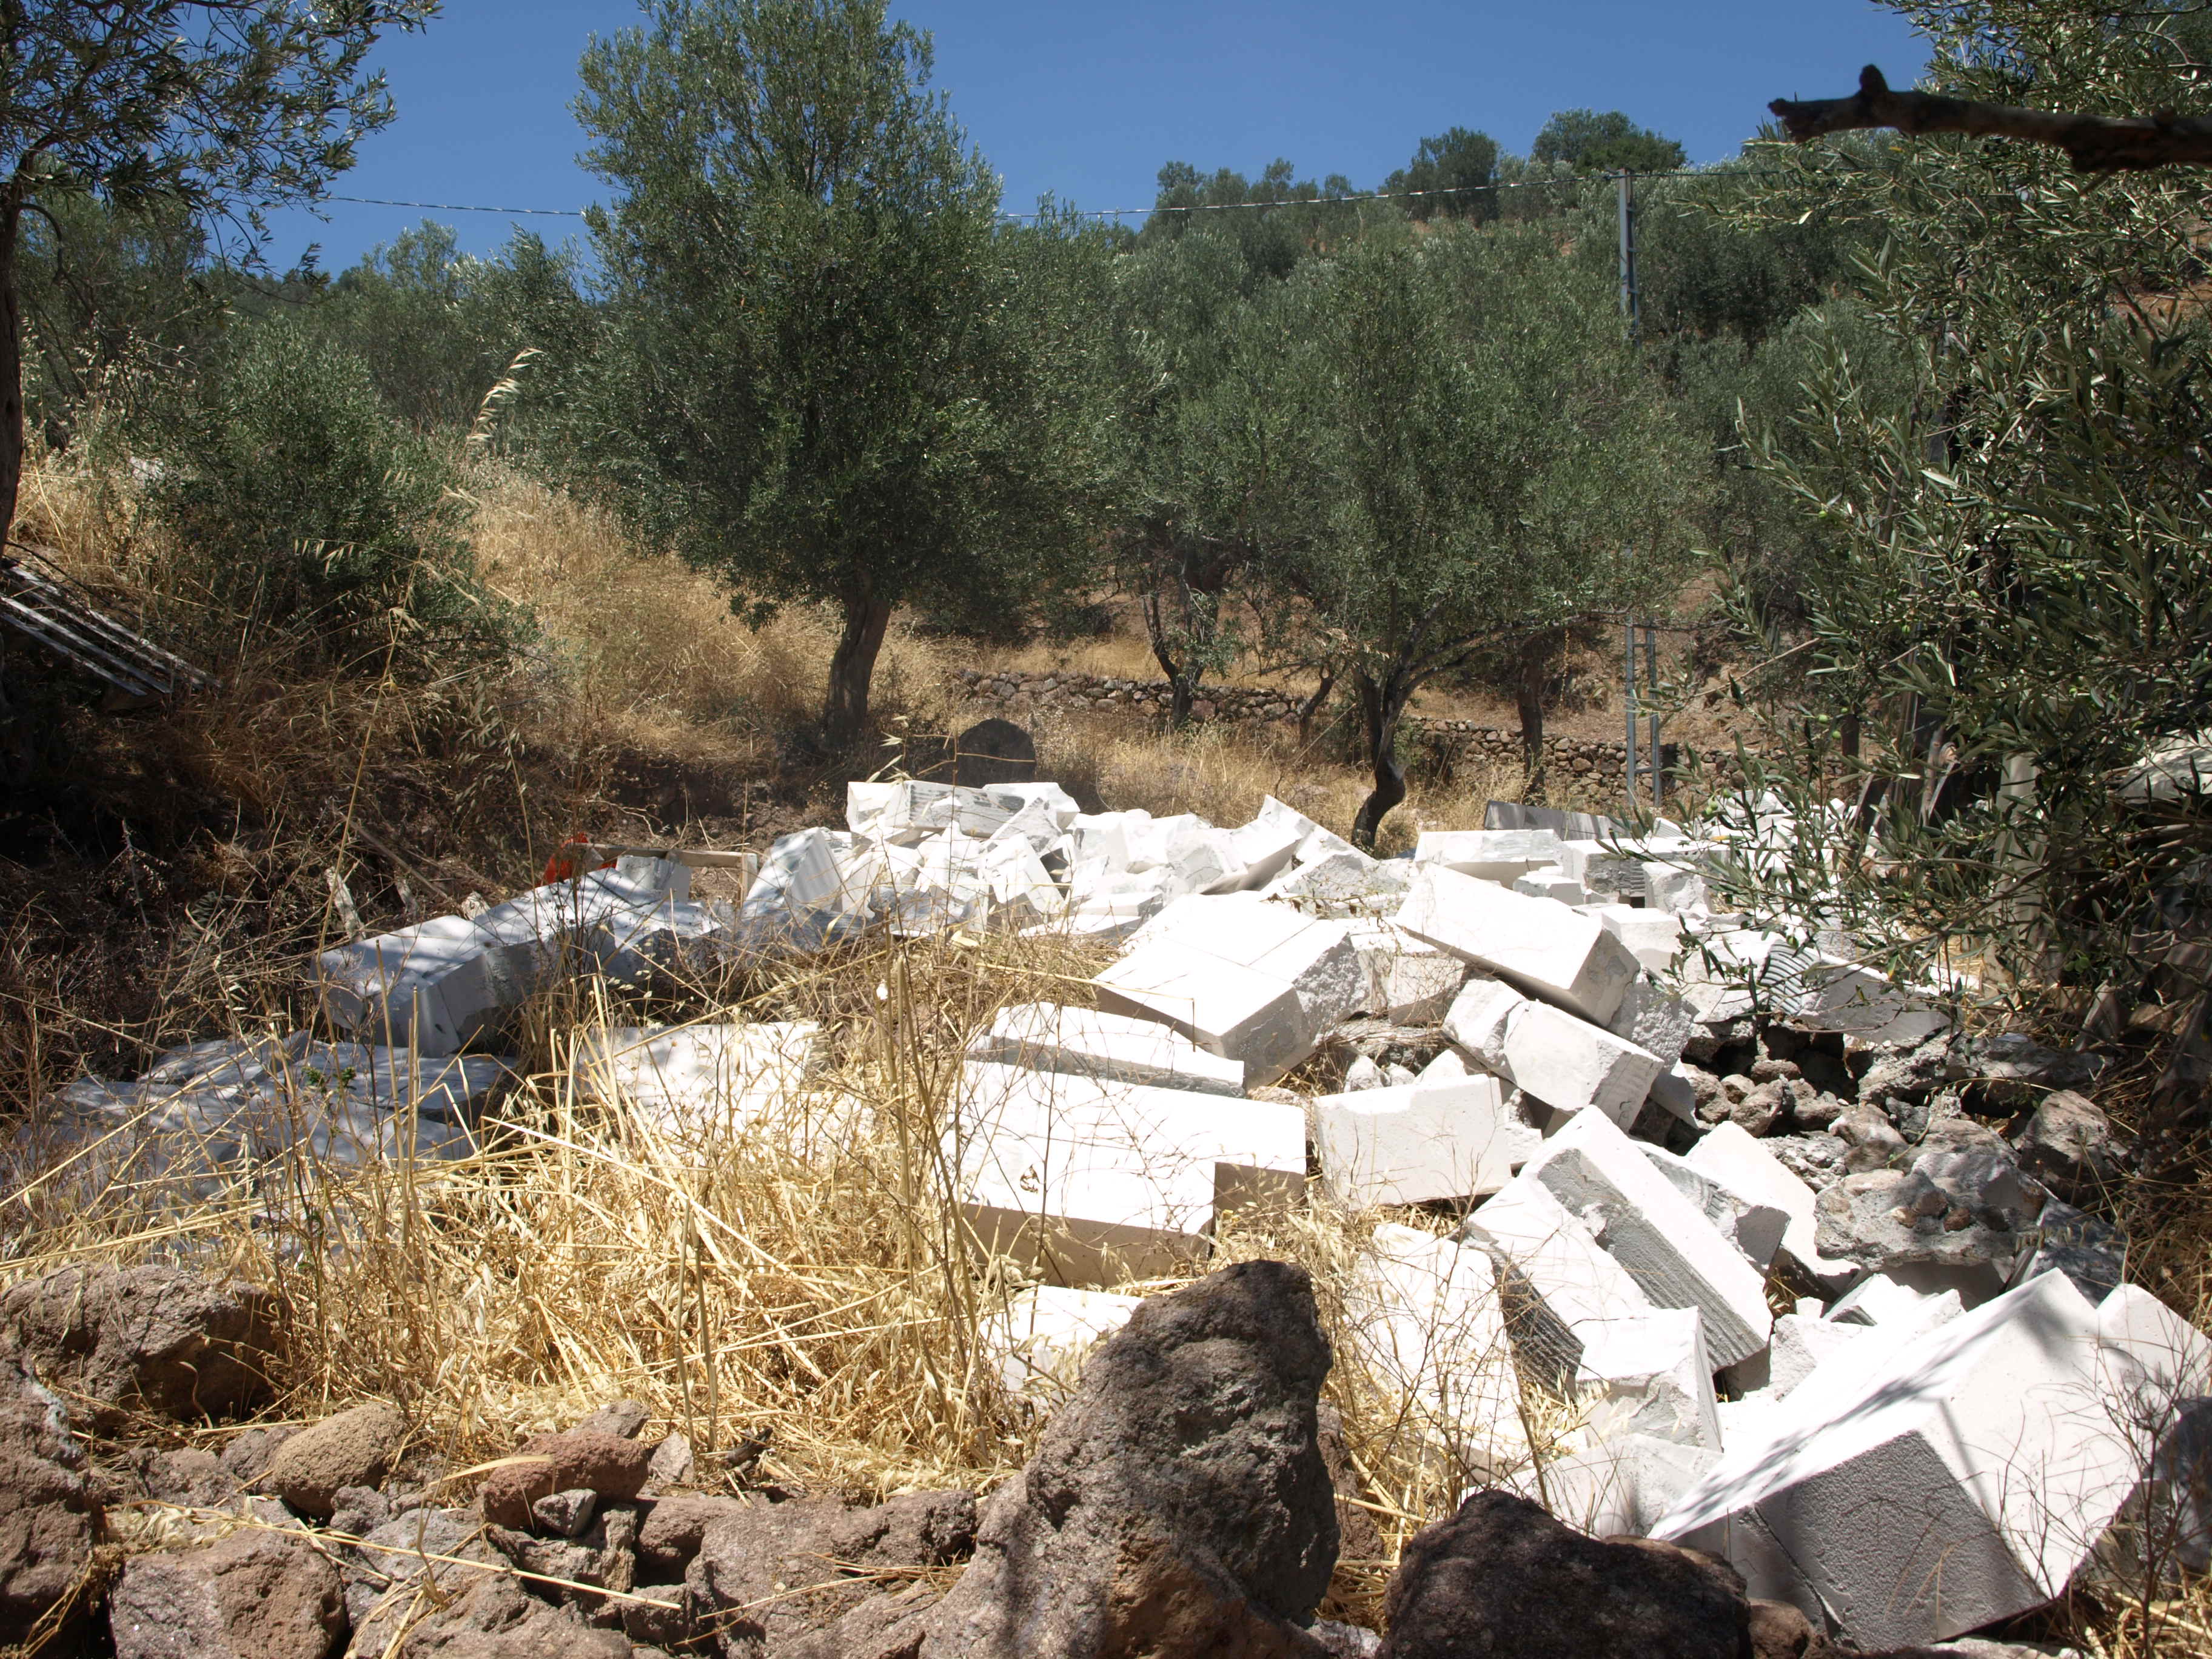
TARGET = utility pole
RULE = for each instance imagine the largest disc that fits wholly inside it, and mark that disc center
(1630, 310)
(1651, 680)
(1629, 628)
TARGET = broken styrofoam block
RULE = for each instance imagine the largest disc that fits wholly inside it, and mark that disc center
(1095, 1183)
(1205, 859)
(1621, 1487)
(1500, 856)
(800, 879)
(430, 987)
(1243, 979)
(1420, 1143)
(1749, 1222)
(1675, 1255)
(1558, 1282)
(1673, 889)
(1049, 796)
(1736, 1156)
(692, 1081)
(1800, 1344)
(1347, 880)
(1424, 1316)
(1650, 1374)
(1957, 1480)
(1041, 1337)
(1653, 937)
(1047, 1037)
(909, 810)
(1544, 950)
(1408, 982)
(1566, 1063)
(1101, 835)
(1551, 883)
(1313, 841)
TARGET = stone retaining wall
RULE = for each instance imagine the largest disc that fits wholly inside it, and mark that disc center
(1102, 693)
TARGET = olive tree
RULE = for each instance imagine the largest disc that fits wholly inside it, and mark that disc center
(825, 380)
(1490, 461)
(222, 108)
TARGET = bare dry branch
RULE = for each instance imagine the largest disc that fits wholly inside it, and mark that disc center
(2095, 143)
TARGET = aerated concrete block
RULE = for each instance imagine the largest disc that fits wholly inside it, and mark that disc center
(696, 1082)
(1344, 882)
(1566, 1063)
(1045, 1036)
(1408, 982)
(1650, 1374)
(1958, 1480)
(1042, 1336)
(1425, 1320)
(1092, 1183)
(1543, 949)
(1734, 1155)
(1675, 1254)
(1753, 1225)
(1051, 796)
(431, 987)
(1551, 883)
(1499, 855)
(1313, 841)
(1620, 1487)
(1558, 1282)
(1243, 979)
(1419, 1143)
(1672, 889)
(1653, 937)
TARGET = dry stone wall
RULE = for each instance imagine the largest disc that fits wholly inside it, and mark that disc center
(1105, 694)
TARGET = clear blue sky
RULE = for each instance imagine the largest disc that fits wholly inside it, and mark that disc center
(1086, 100)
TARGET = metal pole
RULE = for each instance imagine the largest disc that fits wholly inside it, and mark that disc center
(1651, 680)
(1632, 719)
(1629, 307)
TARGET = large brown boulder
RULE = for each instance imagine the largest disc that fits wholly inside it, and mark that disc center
(580, 1460)
(497, 1619)
(50, 1516)
(1177, 1504)
(1502, 1580)
(769, 1575)
(253, 1595)
(148, 1339)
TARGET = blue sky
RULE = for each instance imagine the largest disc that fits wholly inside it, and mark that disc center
(1087, 101)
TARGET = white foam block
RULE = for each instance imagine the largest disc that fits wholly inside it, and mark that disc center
(1650, 1375)
(1545, 949)
(1958, 1479)
(1426, 1319)
(1753, 1225)
(1094, 1182)
(1419, 1143)
(1044, 1036)
(1677, 1256)
(1565, 1062)
(1501, 855)
(1042, 1336)
(691, 1081)
(1621, 1487)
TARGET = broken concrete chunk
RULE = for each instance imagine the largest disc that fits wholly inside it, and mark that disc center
(1042, 1336)
(1675, 1254)
(1543, 949)
(1972, 1470)
(1747, 1165)
(1654, 1018)
(1653, 937)
(1500, 856)
(1751, 1223)
(1556, 1278)
(1649, 1376)
(1426, 1321)
(1671, 888)
(2091, 1253)
(1045, 1036)
(1093, 1182)
(1418, 1143)
(1566, 1063)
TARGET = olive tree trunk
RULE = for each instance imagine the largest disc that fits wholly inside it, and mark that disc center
(853, 666)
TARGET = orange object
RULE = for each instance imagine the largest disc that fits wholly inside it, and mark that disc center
(564, 866)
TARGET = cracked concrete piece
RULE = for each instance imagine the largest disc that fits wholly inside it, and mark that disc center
(1419, 1143)
(1500, 856)
(1650, 1374)
(1749, 1222)
(1544, 950)
(1044, 1036)
(1739, 1157)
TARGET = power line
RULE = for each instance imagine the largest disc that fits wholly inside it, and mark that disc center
(1126, 212)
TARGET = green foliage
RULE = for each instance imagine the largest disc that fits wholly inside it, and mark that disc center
(1275, 221)
(1460, 164)
(1488, 461)
(2020, 590)
(316, 524)
(822, 382)
(1590, 143)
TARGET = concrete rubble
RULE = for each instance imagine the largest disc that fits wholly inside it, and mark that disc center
(1611, 1130)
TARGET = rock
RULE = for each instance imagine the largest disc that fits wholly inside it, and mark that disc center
(1501, 1577)
(1892, 1217)
(1757, 1112)
(495, 1618)
(1178, 1504)
(993, 751)
(1911, 1076)
(672, 1464)
(625, 1417)
(50, 1517)
(768, 1573)
(667, 1627)
(2015, 1070)
(565, 1514)
(250, 1595)
(606, 1463)
(354, 1448)
(1873, 1140)
(248, 1453)
(392, 1561)
(2071, 1145)
(1359, 1537)
(2093, 1253)
(1779, 1630)
(189, 1476)
(357, 1511)
(669, 1535)
(152, 1338)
